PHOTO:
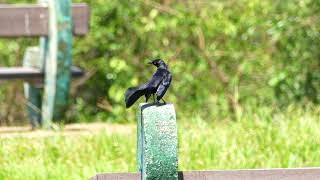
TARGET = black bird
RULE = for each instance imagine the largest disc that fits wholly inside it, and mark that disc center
(157, 85)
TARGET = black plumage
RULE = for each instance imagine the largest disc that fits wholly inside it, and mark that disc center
(156, 86)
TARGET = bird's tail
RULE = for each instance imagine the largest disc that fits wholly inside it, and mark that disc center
(133, 94)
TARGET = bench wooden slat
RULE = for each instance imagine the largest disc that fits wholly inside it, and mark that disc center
(27, 73)
(117, 176)
(32, 20)
(250, 174)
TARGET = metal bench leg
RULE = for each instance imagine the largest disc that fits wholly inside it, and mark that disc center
(157, 142)
(58, 61)
(33, 91)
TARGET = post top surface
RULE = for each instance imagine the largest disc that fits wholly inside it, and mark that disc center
(145, 105)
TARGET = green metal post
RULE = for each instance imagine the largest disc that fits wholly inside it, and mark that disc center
(58, 61)
(32, 91)
(157, 142)
(43, 51)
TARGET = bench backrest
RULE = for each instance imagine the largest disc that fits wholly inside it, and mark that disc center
(32, 20)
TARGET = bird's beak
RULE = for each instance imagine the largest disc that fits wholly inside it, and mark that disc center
(150, 62)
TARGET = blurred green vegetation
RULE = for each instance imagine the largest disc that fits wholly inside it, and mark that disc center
(226, 57)
(260, 139)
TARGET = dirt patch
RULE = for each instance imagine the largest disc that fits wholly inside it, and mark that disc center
(67, 130)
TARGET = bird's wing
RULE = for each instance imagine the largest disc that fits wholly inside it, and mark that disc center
(157, 78)
(162, 89)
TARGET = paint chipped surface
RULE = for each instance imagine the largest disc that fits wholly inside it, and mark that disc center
(58, 61)
(157, 142)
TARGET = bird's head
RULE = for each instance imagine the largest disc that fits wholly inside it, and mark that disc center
(158, 63)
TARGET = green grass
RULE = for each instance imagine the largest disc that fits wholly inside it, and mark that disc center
(260, 139)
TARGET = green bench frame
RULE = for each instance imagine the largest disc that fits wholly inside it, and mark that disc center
(47, 68)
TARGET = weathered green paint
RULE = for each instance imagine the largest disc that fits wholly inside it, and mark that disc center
(157, 142)
(58, 61)
(33, 91)
(43, 51)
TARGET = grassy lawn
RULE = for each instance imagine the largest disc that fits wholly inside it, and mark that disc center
(257, 140)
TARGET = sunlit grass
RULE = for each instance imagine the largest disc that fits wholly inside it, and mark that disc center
(258, 140)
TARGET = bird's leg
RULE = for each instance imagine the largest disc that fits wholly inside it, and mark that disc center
(147, 97)
(163, 101)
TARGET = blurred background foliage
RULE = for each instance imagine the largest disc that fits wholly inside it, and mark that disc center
(227, 57)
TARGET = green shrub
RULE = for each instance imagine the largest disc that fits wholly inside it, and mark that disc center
(224, 55)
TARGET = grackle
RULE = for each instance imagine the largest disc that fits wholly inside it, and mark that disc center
(156, 86)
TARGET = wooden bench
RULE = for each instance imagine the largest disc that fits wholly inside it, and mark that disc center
(46, 69)
(247, 174)
(157, 154)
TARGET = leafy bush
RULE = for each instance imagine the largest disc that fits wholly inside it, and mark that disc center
(224, 55)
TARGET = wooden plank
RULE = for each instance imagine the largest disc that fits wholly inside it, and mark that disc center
(263, 174)
(250, 174)
(30, 74)
(80, 19)
(117, 176)
(157, 142)
(32, 20)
